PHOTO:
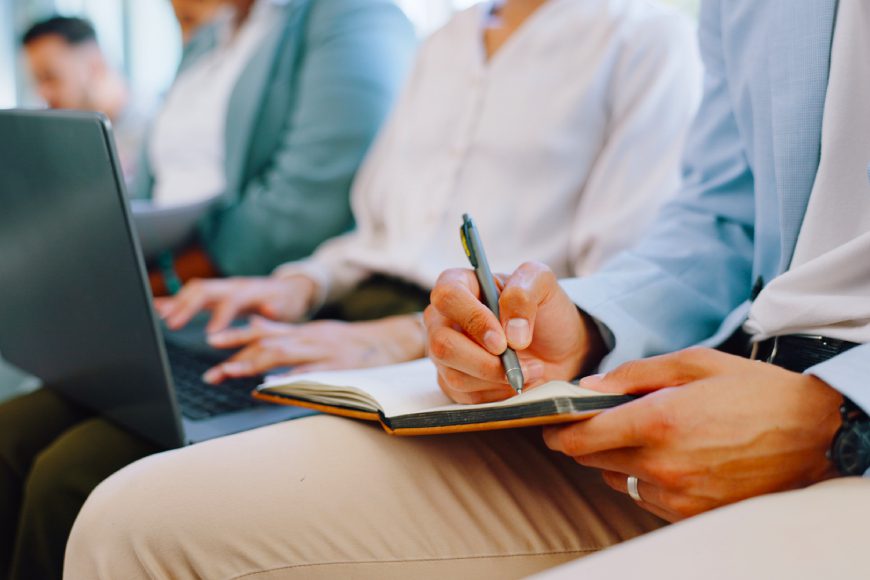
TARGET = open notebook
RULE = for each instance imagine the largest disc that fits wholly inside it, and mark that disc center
(406, 400)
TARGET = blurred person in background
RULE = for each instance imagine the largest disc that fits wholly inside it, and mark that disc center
(70, 71)
(193, 14)
(273, 109)
(561, 148)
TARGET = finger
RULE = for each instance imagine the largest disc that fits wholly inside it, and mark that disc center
(252, 361)
(463, 383)
(223, 314)
(652, 497)
(449, 348)
(475, 397)
(235, 366)
(187, 304)
(670, 504)
(525, 290)
(235, 337)
(626, 460)
(670, 370)
(629, 425)
(163, 305)
(456, 296)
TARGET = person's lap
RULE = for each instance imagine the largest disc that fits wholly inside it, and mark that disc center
(52, 454)
(817, 532)
(326, 497)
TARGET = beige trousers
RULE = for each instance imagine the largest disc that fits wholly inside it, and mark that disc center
(324, 497)
(818, 532)
(331, 498)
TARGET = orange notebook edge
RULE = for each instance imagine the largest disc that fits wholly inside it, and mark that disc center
(342, 411)
(411, 432)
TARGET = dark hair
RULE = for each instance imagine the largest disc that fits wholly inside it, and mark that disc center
(74, 31)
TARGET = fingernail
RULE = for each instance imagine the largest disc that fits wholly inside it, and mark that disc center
(592, 380)
(494, 342)
(216, 339)
(518, 332)
(533, 371)
(211, 376)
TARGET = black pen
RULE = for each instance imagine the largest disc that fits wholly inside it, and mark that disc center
(474, 250)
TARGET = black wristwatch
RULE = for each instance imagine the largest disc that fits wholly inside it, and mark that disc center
(850, 451)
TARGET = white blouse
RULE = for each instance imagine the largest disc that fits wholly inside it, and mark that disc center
(561, 146)
(187, 146)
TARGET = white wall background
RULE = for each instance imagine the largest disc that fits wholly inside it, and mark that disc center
(7, 59)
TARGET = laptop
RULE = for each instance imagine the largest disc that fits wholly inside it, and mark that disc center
(75, 305)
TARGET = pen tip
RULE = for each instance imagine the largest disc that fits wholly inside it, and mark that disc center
(516, 380)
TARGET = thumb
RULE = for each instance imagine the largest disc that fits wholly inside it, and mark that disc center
(524, 292)
(659, 372)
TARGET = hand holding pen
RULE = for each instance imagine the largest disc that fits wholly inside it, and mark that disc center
(537, 319)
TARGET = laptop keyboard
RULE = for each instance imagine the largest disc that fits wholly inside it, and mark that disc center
(199, 400)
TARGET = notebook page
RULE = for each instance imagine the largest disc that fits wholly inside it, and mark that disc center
(399, 389)
(405, 388)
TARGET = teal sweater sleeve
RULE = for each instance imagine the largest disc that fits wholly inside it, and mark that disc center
(355, 55)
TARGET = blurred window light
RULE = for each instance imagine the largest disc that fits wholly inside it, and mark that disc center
(7, 57)
(141, 37)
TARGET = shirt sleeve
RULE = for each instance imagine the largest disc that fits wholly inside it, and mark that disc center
(652, 98)
(675, 287)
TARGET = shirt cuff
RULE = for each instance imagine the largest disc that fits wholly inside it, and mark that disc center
(622, 335)
(848, 373)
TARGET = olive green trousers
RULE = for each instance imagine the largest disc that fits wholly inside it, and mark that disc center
(52, 454)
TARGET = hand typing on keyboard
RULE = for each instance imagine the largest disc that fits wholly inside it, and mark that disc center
(319, 345)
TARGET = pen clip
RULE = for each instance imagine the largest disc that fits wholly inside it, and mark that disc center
(465, 233)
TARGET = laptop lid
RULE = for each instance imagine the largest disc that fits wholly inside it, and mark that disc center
(75, 306)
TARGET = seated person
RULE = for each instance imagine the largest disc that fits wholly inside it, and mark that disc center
(560, 149)
(71, 72)
(273, 108)
(193, 14)
(275, 120)
(767, 243)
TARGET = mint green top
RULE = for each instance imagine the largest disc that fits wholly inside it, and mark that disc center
(299, 122)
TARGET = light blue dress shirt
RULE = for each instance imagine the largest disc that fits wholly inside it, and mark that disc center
(749, 168)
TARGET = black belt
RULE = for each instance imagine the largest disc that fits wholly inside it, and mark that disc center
(794, 352)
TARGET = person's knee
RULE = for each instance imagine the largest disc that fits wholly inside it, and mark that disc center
(49, 482)
(112, 527)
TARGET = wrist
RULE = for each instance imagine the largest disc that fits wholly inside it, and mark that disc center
(850, 446)
(302, 286)
(402, 337)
